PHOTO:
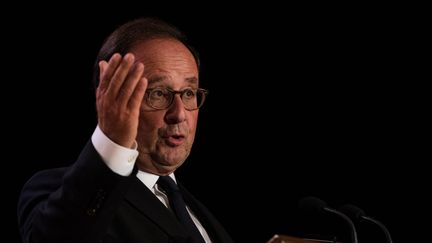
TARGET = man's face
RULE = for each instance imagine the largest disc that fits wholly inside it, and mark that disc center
(165, 137)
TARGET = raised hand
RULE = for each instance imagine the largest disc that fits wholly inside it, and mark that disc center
(119, 96)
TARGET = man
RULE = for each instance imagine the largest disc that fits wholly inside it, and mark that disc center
(148, 98)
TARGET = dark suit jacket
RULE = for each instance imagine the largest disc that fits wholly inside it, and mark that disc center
(87, 202)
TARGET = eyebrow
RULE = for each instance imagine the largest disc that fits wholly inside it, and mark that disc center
(159, 79)
(192, 80)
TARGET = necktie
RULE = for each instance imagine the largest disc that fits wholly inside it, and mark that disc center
(178, 206)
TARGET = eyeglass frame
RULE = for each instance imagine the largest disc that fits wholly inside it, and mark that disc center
(173, 93)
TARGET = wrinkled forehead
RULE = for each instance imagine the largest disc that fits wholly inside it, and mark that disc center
(165, 54)
(167, 62)
(162, 79)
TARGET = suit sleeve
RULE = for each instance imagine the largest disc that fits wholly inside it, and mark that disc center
(73, 204)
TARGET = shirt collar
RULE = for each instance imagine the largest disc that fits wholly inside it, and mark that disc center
(149, 179)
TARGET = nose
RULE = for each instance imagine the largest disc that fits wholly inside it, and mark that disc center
(176, 113)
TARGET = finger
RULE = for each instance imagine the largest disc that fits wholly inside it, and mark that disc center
(137, 96)
(120, 74)
(130, 83)
(102, 67)
(109, 70)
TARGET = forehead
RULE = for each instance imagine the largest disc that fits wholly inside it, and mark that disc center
(166, 60)
(164, 53)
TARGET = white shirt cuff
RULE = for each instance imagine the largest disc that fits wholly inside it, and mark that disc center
(119, 159)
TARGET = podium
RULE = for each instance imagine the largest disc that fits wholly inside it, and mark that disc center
(291, 239)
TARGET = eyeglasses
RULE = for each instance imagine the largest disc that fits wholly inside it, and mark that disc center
(162, 98)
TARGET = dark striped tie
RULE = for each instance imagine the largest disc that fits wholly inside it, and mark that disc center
(178, 206)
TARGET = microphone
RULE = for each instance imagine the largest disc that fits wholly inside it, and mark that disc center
(359, 215)
(316, 205)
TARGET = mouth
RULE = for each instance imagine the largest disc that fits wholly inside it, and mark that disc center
(174, 140)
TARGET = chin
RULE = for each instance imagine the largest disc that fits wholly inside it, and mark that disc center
(171, 160)
(166, 169)
(174, 156)
(173, 163)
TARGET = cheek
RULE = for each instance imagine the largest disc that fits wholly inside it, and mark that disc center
(193, 119)
(149, 125)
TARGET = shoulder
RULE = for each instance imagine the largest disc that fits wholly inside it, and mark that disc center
(37, 189)
(49, 177)
(42, 184)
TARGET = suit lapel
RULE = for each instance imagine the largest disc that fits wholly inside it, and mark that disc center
(203, 215)
(149, 205)
(214, 229)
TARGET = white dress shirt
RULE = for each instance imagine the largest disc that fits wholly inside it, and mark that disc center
(121, 160)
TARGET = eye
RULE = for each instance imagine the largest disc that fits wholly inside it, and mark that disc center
(189, 93)
(158, 94)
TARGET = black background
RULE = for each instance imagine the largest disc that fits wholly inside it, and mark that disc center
(303, 101)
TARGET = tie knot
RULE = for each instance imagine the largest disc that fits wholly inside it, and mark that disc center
(167, 184)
